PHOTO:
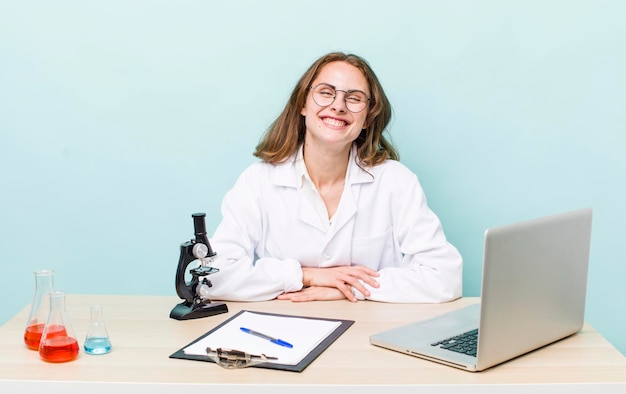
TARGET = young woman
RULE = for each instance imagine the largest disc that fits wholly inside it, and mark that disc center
(329, 212)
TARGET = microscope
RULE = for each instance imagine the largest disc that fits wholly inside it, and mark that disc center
(196, 302)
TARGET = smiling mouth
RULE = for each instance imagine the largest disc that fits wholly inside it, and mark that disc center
(334, 122)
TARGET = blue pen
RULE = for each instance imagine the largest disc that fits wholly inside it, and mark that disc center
(271, 339)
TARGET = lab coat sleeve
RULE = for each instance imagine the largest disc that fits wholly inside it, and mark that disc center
(240, 277)
(430, 268)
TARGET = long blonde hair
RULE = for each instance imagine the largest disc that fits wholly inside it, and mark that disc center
(286, 133)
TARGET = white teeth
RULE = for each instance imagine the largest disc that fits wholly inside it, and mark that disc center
(334, 122)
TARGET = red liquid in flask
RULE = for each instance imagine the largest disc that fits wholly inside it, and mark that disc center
(59, 349)
(32, 336)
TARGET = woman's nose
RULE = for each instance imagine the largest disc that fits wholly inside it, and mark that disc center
(340, 101)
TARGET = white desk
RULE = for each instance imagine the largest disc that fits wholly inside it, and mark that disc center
(143, 337)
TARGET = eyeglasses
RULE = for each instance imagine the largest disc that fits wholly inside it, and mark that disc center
(325, 94)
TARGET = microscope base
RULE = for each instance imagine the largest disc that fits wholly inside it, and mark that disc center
(183, 311)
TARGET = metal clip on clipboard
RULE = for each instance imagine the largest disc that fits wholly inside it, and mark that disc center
(236, 359)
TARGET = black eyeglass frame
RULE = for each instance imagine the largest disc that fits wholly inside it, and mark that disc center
(345, 101)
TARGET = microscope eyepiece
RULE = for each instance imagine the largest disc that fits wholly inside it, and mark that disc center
(200, 231)
(199, 223)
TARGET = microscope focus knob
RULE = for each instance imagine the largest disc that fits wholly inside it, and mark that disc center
(200, 251)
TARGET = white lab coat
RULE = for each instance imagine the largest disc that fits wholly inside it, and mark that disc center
(270, 230)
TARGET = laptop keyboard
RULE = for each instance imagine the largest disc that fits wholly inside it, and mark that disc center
(466, 343)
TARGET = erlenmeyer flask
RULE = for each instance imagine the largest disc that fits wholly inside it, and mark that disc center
(58, 342)
(97, 340)
(39, 309)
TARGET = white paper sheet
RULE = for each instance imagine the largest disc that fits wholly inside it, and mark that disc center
(303, 334)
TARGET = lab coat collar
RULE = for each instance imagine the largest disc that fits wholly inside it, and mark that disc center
(286, 174)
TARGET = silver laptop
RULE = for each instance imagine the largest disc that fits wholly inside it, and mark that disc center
(534, 287)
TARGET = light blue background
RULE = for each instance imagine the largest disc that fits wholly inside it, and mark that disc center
(119, 119)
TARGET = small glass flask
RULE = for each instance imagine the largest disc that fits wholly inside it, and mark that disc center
(39, 309)
(58, 342)
(97, 341)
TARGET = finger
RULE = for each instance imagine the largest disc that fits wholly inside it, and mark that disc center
(352, 282)
(370, 281)
(347, 291)
(367, 278)
(303, 296)
(366, 270)
(318, 294)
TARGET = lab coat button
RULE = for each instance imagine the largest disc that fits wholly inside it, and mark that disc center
(327, 255)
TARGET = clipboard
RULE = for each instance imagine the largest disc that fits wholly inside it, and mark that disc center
(299, 367)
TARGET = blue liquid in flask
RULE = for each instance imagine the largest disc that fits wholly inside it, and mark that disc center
(97, 345)
(97, 340)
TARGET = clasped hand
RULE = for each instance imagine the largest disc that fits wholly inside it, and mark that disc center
(333, 283)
